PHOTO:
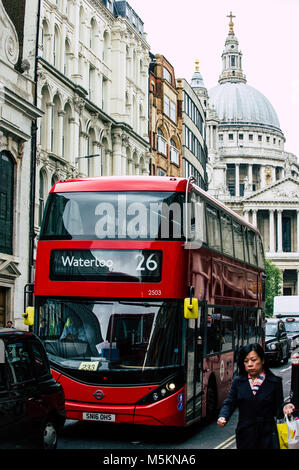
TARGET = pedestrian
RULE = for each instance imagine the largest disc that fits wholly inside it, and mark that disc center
(9, 324)
(258, 395)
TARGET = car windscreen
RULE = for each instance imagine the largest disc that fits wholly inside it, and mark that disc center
(270, 329)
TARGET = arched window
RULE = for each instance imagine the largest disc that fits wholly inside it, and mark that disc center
(41, 197)
(6, 202)
(45, 40)
(56, 46)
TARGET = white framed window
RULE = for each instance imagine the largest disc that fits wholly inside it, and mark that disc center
(172, 111)
(174, 155)
(161, 143)
(166, 105)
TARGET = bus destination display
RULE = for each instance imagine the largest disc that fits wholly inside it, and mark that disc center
(106, 265)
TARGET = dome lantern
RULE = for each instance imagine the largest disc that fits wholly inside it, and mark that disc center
(232, 58)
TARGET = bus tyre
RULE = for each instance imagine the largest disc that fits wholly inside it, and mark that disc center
(212, 402)
(49, 435)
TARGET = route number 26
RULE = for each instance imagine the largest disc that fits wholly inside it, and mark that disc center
(150, 264)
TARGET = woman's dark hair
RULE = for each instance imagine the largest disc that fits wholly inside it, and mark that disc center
(245, 350)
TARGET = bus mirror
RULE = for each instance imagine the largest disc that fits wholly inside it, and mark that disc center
(2, 352)
(29, 316)
(190, 308)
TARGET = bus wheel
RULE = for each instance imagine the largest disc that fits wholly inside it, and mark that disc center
(212, 401)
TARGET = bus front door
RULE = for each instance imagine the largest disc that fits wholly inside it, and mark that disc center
(194, 367)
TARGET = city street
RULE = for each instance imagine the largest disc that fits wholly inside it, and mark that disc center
(78, 435)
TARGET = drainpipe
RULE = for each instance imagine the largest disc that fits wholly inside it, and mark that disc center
(32, 233)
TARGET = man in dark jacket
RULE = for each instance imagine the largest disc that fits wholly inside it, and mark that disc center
(258, 395)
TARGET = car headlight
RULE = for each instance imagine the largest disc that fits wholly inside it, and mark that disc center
(273, 346)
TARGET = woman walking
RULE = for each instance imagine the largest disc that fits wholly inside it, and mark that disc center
(258, 395)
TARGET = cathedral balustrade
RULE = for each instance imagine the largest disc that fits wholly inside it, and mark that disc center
(247, 150)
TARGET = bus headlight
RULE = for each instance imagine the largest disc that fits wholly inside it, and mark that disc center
(170, 386)
(166, 389)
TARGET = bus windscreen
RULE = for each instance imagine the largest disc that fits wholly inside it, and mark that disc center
(114, 216)
(83, 337)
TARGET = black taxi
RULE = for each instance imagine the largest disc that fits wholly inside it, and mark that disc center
(32, 405)
(277, 346)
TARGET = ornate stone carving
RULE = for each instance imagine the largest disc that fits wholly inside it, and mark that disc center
(284, 194)
(9, 44)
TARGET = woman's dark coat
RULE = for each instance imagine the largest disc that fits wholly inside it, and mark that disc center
(256, 423)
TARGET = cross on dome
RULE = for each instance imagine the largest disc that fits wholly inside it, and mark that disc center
(231, 24)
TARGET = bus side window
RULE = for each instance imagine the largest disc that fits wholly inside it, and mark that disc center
(252, 247)
(213, 225)
(238, 241)
(227, 330)
(246, 248)
(213, 331)
(227, 235)
(260, 253)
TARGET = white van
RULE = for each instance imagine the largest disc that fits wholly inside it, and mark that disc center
(286, 307)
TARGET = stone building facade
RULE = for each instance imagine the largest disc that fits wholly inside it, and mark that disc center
(248, 168)
(165, 119)
(93, 89)
(18, 116)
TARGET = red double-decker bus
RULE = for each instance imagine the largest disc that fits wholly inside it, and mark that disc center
(145, 289)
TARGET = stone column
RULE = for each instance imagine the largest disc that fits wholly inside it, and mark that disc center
(237, 179)
(271, 230)
(246, 214)
(83, 152)
(279, 229)
(254, 217)
(117, 153)
(297, 231)
(49, 124)
(61, 150)
(250, 176)
(262, 176)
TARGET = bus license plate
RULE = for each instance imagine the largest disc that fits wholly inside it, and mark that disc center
(99, 417)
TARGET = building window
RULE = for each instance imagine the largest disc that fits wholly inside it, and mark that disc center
(220, 137)
(174, 153)
(6, 202)
(172, 111)
(166, 105)
(241, 136)
(166, 74)
(161, 172)
(170, 108)
(260, 138)
(230, 136)
(161, 143)
(250, 136)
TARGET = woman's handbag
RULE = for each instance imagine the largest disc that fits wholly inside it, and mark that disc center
(293, 432)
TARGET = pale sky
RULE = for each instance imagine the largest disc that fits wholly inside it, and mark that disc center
(268, 35)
